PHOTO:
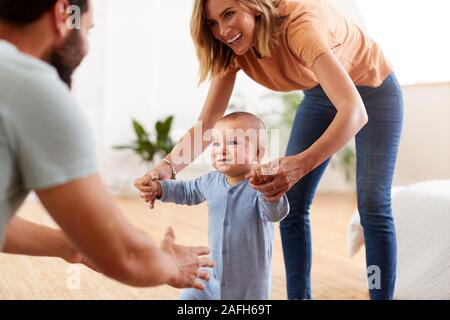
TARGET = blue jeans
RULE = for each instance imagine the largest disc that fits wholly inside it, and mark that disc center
(376, 152)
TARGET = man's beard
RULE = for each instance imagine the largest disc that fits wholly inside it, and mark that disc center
(68, 56)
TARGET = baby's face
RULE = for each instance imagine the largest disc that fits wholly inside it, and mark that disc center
(235, 147)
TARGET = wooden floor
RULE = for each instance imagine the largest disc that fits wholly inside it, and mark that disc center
(334, 275)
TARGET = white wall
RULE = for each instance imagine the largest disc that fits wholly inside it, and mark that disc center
(425, 145)
(414, 36)
(142, 65)
(425, 148)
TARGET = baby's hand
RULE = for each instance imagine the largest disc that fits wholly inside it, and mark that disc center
(150, 192)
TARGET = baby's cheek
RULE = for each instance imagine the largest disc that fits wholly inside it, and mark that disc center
(213, 154)
(249, 157)
(240, 155)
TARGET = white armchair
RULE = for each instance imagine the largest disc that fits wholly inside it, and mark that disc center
(422, 219)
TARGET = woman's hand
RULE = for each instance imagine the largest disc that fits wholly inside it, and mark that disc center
(276, 178)
(162, 171)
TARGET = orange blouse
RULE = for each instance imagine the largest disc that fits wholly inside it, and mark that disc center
(311, 28)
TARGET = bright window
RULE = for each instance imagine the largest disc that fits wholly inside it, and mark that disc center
(414, 34)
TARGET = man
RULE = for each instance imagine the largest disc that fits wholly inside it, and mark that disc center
(46, 146)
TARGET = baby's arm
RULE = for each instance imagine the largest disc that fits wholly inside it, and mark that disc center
(181, 192)
(273, 212)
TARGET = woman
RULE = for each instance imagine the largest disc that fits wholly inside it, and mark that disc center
(350, 91)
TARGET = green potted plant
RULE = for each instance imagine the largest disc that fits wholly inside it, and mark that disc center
(147, 148)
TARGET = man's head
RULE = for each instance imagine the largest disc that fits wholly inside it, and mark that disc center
(55, 25)
(238, 142)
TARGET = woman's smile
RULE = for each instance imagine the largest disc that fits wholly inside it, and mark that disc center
(236, 40)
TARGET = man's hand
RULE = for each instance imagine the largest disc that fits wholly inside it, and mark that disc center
(189, 261)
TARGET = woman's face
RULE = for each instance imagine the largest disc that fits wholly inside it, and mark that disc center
(232, 23)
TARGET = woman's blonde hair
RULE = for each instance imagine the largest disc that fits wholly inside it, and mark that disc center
(215, 57)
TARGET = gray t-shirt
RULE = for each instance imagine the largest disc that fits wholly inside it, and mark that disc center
(44, 138)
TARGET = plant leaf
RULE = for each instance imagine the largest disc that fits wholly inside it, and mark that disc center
(124, 147)
(163, 127)
(139, 130)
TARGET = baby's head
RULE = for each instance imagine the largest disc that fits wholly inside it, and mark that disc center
(238, 142)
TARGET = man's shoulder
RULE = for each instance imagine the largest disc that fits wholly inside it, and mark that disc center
(34, 102)
(29, 81)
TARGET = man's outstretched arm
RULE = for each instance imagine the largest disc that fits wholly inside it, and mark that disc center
(94, 224)
(30, 239)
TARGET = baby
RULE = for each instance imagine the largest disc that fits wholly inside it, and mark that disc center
(240, 220)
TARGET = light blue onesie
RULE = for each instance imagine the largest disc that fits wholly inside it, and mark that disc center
(240, 235)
